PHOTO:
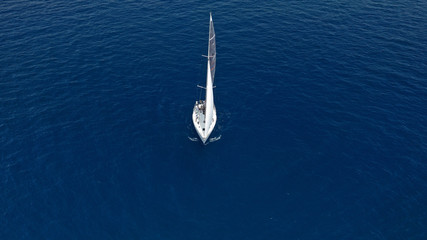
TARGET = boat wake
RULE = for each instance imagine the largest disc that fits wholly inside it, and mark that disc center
(211, 140)
(214, 139)
(194, 139)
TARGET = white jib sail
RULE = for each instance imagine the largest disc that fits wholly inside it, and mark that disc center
(209, 101)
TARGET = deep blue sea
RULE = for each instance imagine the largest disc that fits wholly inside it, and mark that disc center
(321, 132)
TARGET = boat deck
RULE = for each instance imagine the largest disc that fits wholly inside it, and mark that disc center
(200, 114)
(199, 120)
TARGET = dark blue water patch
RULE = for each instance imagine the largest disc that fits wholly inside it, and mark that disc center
(321, 120)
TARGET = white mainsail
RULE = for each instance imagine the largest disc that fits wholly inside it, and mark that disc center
(212, 48)
(204, 112)
(210, 76)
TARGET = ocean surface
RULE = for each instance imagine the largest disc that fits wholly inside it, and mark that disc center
(321, 132)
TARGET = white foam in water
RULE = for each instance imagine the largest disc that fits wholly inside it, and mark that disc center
(195, 139)
(214, 139)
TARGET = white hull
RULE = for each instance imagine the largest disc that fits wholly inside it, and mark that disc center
(199, 122)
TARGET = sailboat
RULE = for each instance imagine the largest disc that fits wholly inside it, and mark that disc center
(204, 111)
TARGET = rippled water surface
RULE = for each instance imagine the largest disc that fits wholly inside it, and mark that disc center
(321, 133)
